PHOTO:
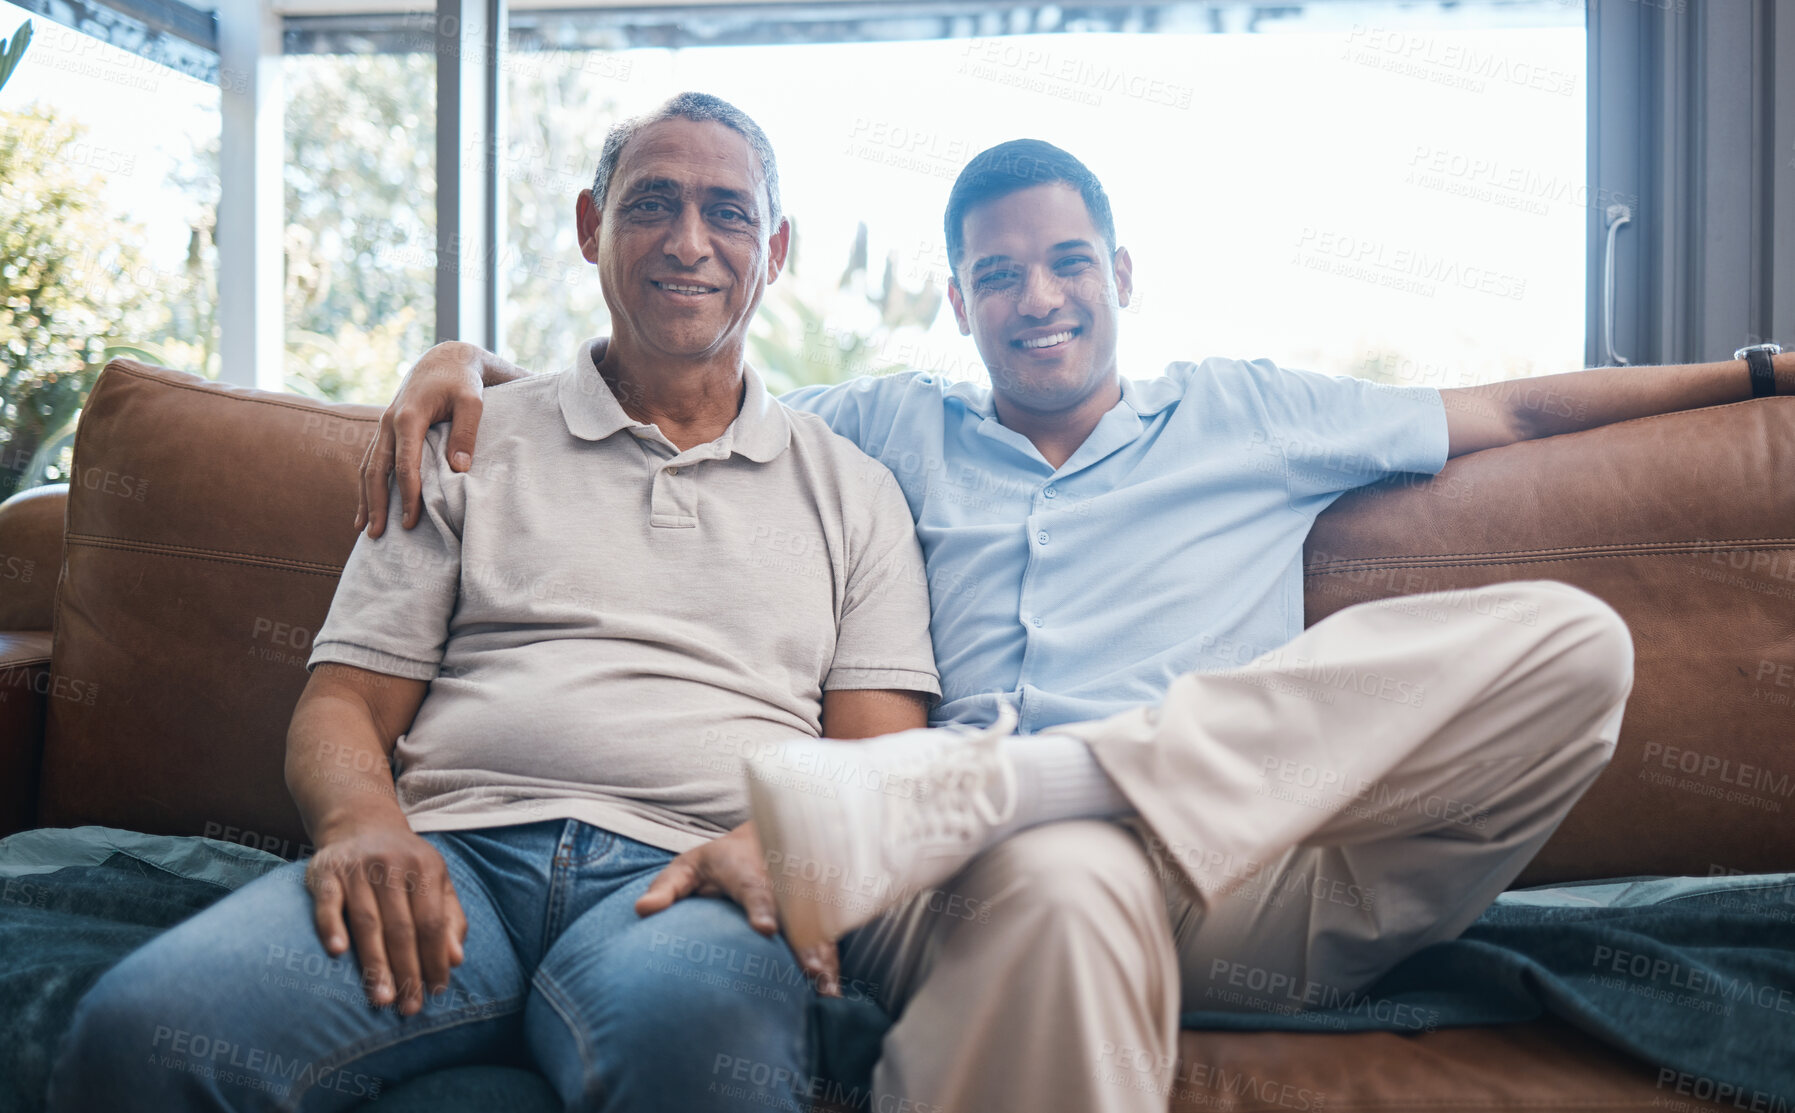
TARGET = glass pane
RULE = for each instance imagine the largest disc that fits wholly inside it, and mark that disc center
(361, 221)
(108, 201)
(1375, 189)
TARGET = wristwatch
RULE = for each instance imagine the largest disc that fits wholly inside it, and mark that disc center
(1759, 358)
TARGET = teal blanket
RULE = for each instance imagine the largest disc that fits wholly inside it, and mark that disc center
(1695, 976)
(73, 901)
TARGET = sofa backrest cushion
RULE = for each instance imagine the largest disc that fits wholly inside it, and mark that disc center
(207, 526)
(1685, 524)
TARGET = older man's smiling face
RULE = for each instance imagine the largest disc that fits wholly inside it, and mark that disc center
(684, 245)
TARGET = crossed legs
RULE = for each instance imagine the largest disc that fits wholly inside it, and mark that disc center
(1312, 818)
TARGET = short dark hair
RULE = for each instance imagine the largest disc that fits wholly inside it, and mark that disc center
(1014, 166)
(702, 108)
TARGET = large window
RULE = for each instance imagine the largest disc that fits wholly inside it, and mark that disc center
(1387, 190)
(1391, 188)
(1378, 187)
(360, 244)
(108, 202)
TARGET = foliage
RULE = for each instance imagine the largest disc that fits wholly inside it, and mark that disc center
(12, 52)
(60, 293)
(814, 328)
(556, 116)
(360, 254)
(355, 140)
(361, 221)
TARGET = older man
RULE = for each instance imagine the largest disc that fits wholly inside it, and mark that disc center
(653, 567)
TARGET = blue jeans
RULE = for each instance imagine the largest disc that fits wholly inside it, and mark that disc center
(240, 1008)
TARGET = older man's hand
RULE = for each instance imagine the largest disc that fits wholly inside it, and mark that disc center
(388, 891)
(731, 866)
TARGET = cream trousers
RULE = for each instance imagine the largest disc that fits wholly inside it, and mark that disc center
(1306, 821)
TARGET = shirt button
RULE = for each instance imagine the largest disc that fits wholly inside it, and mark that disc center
(1037, 620)
(1051, 493)
(672, 471)
(1041, 537)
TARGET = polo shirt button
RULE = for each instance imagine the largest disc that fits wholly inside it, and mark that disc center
(672, 471)
(1041, 537)
(1037, 620)
(1051, 493)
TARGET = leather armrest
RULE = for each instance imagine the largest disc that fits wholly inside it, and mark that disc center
(31, 524)
(24, 693)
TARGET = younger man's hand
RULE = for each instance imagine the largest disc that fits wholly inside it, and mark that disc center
(731, 866)
(442, 386)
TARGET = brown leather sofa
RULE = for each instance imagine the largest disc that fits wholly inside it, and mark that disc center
(153, 642)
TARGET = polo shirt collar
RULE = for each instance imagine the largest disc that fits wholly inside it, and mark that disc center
(1150, 397)
(1145, 398)
(1118, 427)
(761, 429)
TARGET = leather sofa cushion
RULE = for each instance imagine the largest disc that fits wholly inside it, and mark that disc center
(204, 543)
(1685, 524)
(1537, 1067)
(200, 560)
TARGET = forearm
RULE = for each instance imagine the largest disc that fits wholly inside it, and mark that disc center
(337, 764)
(494, 370)
(1554, 404)
(868, 713)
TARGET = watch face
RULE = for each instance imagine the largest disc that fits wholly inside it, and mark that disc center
(1767, 349)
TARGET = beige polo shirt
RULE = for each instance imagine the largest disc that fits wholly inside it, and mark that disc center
(608, 624)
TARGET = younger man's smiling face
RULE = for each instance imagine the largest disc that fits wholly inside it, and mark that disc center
(1039, 291)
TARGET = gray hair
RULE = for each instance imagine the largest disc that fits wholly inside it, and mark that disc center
(701, 108)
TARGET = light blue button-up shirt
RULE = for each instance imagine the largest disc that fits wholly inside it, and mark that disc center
(1171, 541)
